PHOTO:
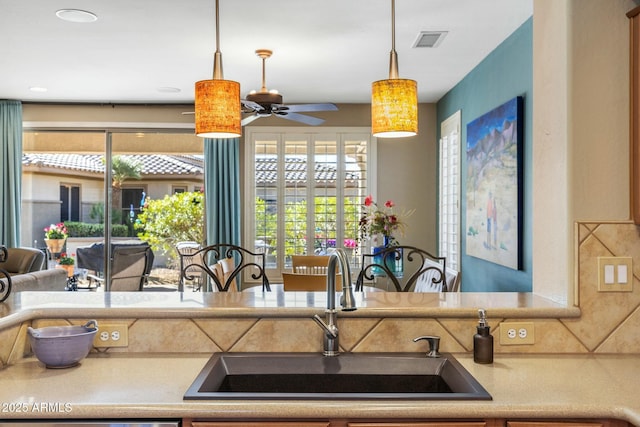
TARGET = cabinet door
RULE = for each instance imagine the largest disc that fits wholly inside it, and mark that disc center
(634, 58)
(420, 424)
(257, 424)
(553, 424)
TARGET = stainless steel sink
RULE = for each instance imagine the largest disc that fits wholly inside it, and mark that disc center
(349, 376)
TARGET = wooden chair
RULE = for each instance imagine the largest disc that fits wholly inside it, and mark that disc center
(308, 282)
(310, 264)
(129, 266)
(414, 267)
(223, 263)
(224, 271)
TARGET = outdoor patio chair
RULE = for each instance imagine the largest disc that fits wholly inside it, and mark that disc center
(186, 251)
(128, 269)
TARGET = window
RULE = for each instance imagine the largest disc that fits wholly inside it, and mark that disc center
(304, 192)
(70, 202)
(449, 192)
(132, 200)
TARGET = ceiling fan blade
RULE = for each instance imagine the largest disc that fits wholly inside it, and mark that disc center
(251, 105)
(300, 108)
(308, 120)
(249, 119)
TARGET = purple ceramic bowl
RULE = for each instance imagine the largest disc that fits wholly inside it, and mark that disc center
(62, 346)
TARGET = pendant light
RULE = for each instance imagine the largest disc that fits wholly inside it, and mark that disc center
(217, 101)
(394, 102)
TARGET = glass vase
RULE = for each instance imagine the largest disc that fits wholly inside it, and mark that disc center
(391, 259)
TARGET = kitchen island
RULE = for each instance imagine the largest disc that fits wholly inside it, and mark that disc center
(172, 335)
(109, 386)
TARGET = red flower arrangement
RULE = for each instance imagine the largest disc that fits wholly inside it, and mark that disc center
(380, 221)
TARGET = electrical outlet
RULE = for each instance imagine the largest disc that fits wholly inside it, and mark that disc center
(112, 335)
(516, 333)
(615, 274)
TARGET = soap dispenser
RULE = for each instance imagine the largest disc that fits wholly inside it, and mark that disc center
(483, 341)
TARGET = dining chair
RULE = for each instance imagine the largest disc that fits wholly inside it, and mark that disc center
(129, 266)
(308, 282)
(226, 268)
(223, 263)
(404, 266)
(429, 280)
(186, 251)
(310, 264)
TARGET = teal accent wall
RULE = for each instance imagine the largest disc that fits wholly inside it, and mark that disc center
(505, 73)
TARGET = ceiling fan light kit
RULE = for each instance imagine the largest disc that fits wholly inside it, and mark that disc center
(265, 102)
(394, 102)
(218, 111)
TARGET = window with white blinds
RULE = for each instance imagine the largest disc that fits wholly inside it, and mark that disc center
(449, 192)
(304, 193)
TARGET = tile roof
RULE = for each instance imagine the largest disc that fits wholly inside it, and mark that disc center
(296, 171)
(152, 164)
(180, 165)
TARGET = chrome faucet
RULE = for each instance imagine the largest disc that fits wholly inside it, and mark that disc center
(347, 301)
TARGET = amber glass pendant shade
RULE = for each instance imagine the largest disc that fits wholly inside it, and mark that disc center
(394, 108)
(218, 110)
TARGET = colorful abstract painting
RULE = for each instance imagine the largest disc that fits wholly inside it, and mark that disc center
(494, 185)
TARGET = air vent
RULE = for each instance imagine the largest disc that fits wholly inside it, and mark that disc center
(429, 38)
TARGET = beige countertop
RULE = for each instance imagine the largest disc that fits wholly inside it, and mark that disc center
(22, 306)
(152, 386)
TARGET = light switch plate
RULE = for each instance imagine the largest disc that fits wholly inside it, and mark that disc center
(615, 274)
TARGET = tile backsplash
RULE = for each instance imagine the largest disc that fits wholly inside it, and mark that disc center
(609, 321)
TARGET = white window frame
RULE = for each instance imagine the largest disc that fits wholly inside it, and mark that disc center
(449, 149)
(281, 134)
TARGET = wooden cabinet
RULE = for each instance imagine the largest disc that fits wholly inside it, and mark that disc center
(340, 423)
(420, 424)
(560, 423)
(408, 423)
(187, 423)
(634, 105)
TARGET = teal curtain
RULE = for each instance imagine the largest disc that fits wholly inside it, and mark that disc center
(222, 190)
(10, 171)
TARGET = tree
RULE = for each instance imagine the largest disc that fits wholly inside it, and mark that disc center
(165, 222)
(123, 169)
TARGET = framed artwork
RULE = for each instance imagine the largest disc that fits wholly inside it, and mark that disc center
(494, 185)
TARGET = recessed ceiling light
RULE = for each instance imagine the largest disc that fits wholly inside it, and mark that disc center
(76, 15)
(37, 89)
(168, 89)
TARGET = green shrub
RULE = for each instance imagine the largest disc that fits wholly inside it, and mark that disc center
(84, 229)
(165, 222)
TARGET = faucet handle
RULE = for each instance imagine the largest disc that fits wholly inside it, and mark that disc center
(434, 344)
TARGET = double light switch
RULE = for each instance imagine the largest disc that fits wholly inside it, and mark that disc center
(615, 274)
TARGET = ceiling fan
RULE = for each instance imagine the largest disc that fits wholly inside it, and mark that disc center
(266, 102)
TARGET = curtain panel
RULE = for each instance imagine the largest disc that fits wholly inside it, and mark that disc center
(222, 190)
(10, 171)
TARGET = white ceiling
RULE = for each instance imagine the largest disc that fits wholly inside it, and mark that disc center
(324, 50)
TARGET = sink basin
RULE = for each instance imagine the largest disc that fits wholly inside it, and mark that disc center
(348, 376)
